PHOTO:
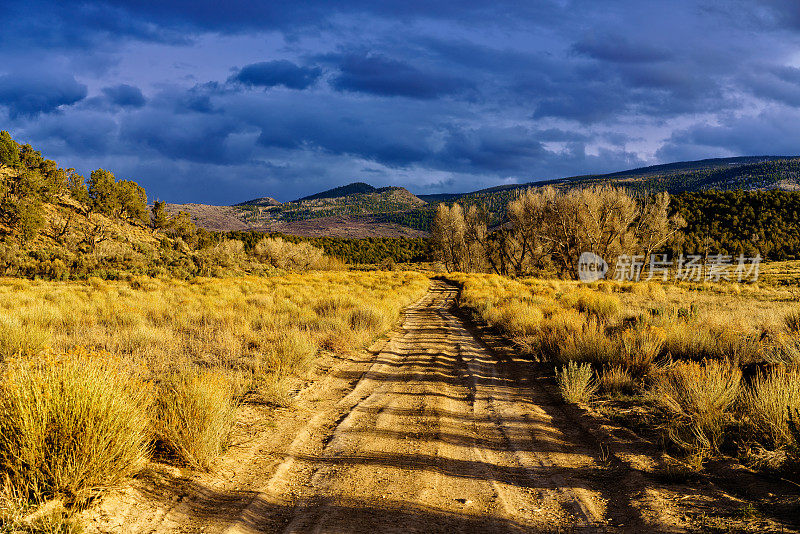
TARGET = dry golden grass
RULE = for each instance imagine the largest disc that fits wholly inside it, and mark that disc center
(576, 382)
(70, 425)
(193, 414)
(185, 353)
(769, 400)
(682, 344)
(699, 397)
(590, 344)
(616, 380)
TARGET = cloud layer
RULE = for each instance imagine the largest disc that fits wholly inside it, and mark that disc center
(209, 104)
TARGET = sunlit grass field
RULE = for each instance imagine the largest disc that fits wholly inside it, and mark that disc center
(97, 375)
(714, 367)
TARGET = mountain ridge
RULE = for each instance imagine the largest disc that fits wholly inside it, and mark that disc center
(394, 211)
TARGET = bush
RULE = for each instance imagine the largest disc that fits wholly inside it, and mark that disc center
(287, 255)
(194, 415)
(366, 318)
(17, 338)
(616, 380)
(293, 351)
(590, 344)
(603, 306)
(516, 318)
(698, 397)
(769, 401)
(686, 340)
(576, 382)
(556, 330)
(639, 349)
(70, 425)
(792, 322)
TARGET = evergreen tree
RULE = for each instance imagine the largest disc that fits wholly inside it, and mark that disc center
(131, 200)
(9, 151)
(102, 192)
(159, 218)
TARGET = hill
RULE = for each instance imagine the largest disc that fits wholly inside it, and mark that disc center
(353, 210)
(361, 210)
(356, 188)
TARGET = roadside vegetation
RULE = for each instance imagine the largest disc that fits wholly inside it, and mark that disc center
(706, 368)
(100, 377)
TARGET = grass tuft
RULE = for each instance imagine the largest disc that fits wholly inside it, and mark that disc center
(70, 425)
(616, 380)
(768, 402)
(576, 382)
(699, 397)
(194, 415)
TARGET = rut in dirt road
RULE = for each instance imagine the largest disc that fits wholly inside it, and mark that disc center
(438, 435)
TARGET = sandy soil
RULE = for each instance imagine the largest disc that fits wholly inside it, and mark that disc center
(435, 429)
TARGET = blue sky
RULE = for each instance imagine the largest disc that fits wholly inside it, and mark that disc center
(202, 101)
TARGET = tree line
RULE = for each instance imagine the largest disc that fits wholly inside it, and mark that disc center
(547, 230)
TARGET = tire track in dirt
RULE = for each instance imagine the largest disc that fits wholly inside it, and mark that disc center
(439, 430)
(431, 433)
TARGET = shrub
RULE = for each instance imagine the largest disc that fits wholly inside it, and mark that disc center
(784, 350)
(605, 307)
(698, 397)
(590, 344)
(639, 349)
(769, 401)
(330, 306)
(366, 318)
(792, 322)
(70, 425)
(293, 351)
(576, 382)
(687, 340)
(516, 318)
(556, 330)
(193, 415)
(616, 380)
(287, 255)
(18, 338)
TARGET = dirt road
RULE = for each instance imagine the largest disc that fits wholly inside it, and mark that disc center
(431, 432)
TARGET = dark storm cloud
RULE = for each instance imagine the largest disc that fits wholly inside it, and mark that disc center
(193, 137)
(124, 95)
(207, 102)
(27, 94)
(771, 132)
(778, 84)
(380, 75)
(48, 24)
(279, 72)
(259, 15)
(618, 49)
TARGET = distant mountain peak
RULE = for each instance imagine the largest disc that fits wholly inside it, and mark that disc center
(355, 188)
(262, 201)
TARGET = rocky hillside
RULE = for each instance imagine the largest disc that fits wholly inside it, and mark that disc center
(361, 210)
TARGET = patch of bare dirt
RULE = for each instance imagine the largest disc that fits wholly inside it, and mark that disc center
(214, 218)
(438, 428)
(355, 226)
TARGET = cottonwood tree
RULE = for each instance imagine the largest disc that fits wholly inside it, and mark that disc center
(559, 227)
(448, 236)
(655, 227)
(287, 255)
